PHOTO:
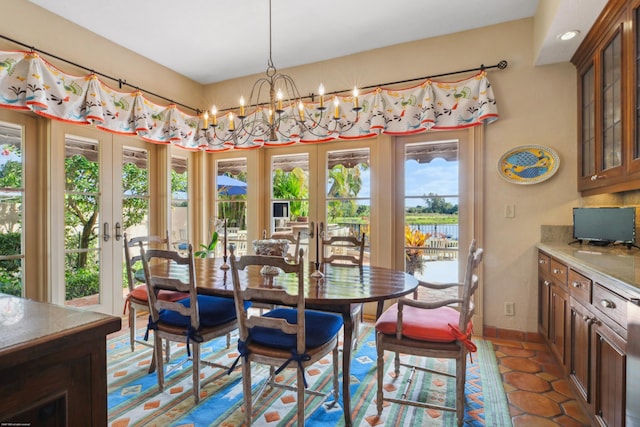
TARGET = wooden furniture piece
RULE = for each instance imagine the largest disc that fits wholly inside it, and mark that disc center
(192, 320)
(138, 299)
(585, 297)
(339, 288)
(608, 65)
(283, 337)
(52, 364)
(349, 251)
(439, 329)
(292, 237)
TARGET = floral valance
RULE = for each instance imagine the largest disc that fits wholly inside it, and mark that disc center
(27, 82)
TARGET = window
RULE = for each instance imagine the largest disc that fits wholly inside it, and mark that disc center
(11, 205)
(179, 203)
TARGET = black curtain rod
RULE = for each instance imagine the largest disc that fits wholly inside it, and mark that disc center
(500, 65)
(119, 81)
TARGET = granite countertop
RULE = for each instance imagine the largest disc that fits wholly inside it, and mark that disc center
(616, 266)
(24, 322)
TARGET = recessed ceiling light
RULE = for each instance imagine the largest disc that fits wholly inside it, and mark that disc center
(568, 35)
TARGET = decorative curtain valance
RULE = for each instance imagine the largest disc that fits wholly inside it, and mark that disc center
(27, 82)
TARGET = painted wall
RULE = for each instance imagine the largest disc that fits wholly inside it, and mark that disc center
(30, 24)
(537, 106)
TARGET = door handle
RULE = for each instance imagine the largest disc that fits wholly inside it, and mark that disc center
(118, 231)
(105, 232)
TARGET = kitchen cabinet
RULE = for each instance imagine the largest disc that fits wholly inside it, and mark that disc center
(53, 364)
(608, 63)
(594, 355)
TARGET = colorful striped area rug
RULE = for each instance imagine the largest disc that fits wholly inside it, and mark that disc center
(134, 399)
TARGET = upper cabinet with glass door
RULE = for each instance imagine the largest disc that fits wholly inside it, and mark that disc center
(608, 64)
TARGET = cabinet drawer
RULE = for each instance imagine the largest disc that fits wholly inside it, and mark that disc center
(559, 272)
(544, 263)
(611, 304)
(579, 286)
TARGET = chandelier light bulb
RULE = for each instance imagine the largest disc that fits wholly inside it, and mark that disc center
(336, 105)
(241, 106)
(231, 124)
(214, 112)
(279, 96)
(355, 97)
(301, 110)
(321, 93)
(206, 120)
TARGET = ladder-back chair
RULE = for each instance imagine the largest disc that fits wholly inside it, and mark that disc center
(284, 337)
(440, 329)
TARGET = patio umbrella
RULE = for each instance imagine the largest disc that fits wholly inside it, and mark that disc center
(230, 186)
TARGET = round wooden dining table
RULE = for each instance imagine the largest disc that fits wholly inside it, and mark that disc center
(337, 289)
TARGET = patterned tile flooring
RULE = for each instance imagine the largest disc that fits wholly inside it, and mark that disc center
(537, 393)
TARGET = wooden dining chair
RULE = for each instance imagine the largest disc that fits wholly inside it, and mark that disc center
(440, 329)
(285, 337)
(346, 251)
(192, 320)
(138, 298)
(293, 238)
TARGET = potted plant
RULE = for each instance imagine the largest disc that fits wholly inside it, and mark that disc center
(210, 249)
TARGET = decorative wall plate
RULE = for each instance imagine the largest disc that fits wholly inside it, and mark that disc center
(528, 164)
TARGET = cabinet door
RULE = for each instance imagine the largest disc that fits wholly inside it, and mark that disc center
(558, 322)
(580, 349)
(609, 373)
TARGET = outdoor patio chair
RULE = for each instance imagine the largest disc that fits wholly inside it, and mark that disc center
(283, 337)
(440, 329)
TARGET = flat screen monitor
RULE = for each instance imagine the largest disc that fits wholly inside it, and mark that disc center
(605, 225)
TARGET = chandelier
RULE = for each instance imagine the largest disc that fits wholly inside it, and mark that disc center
(276, 114)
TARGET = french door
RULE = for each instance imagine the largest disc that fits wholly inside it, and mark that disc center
(99, 190)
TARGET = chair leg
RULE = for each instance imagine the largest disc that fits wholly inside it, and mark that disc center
(461, 371)
(167, 351)
(246, 390)
(195, 351)
(336, 382)
(396, 364)
(300, 387)
(380, 374)
(157, 355)
(132, 327)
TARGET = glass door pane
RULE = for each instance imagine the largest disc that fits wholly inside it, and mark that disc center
(82, 222)
(349, 194)
(289, 210)
(231, 204)
(179, 203)
(11, 197)
(431, 211)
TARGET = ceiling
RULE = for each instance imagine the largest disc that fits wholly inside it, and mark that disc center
(211, 41)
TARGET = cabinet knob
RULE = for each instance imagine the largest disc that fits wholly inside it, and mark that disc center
(597, 177)
(557, 271)
(542, 261)
(607, 304)
(546, 283)
(576, 284)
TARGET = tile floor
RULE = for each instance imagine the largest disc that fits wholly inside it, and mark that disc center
(537, 392)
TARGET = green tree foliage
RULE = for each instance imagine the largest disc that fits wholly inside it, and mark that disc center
(434, 204)
(135, 181)
(345, 182)
(292, 186)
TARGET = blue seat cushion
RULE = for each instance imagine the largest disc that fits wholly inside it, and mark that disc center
(320, 327)
(213, 311)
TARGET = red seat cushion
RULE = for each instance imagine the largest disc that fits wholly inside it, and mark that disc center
(421, 324)
(140, 293)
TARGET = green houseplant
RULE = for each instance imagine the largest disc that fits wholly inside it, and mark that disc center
(208, 249)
